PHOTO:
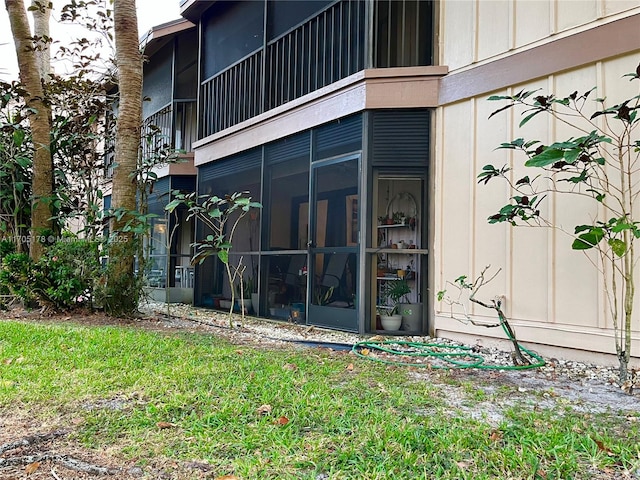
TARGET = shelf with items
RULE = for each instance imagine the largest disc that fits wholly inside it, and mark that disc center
(398, 252)
(398, 247)
(397, 229)
(401, 251)
(401, 239)
(392, 267)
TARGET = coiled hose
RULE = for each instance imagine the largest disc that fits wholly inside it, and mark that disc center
(440, 356)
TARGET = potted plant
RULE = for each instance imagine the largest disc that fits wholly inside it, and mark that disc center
(389, 318)
(322, 295)
(399, 218)
(411, 313)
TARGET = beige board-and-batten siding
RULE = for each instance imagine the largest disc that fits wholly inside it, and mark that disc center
(554, 295)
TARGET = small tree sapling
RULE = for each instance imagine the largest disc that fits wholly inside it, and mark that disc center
(222, 216)
(600, 163)
(462, 285)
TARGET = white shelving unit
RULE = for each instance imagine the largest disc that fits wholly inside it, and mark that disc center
(392, 259)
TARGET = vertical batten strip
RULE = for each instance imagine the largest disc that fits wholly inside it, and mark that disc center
(552, 239)
(603, 320)
(509, 234)
(512, 24)
(476, 29)
(473, 210)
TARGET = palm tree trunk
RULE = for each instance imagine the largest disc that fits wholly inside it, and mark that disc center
(39, 116)
(122, 293)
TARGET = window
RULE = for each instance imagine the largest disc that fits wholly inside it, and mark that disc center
(403, 33)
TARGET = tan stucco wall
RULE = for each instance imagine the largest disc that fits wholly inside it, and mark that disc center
(554, 295)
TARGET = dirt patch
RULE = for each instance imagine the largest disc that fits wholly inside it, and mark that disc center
(52, 451)
(496, 391)
(49, 451)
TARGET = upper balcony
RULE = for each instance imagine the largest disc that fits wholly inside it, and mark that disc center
(250, 65)
(171, 127)
(170, 87)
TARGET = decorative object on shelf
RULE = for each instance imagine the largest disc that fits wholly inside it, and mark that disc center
(398, 218)
(402, 208)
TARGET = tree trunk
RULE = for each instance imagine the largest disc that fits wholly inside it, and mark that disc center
(41, 16)
(39, 116)
(122, 291)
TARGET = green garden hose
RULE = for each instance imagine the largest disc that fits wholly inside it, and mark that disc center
(450, 356)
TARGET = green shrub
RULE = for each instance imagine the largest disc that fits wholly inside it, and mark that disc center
(6, 247)
(17, 276)
(67, 272)
(62, 279)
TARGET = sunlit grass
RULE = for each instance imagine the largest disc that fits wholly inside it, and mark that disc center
(371, 421)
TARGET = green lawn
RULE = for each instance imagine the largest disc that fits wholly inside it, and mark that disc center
(364, 420)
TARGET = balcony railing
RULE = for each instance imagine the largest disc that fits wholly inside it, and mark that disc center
(109, 157)
(319, 52)
(322, 50)
(234, 95)
(186, 130)
(173, 126)
(156, 131)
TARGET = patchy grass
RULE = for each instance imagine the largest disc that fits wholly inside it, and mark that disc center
(151, 397)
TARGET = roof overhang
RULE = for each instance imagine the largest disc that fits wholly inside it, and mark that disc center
(157, 36)
(193, 9)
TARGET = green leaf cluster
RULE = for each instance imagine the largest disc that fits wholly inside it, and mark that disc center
(220, 214)
(590, 236)
(63, 278)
